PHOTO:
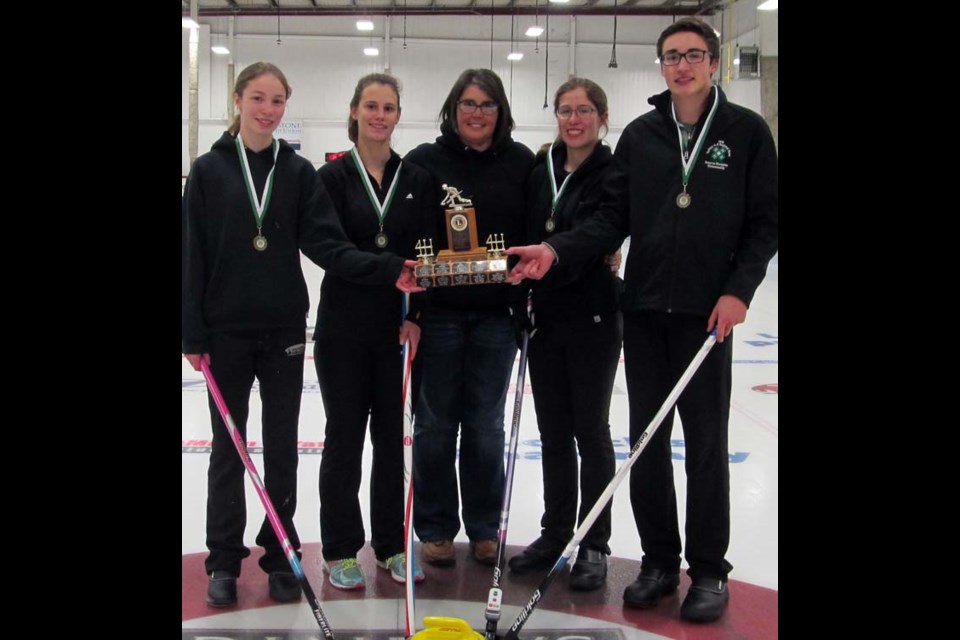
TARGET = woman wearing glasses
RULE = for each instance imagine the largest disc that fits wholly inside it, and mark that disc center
(468, 347)
(576, 349)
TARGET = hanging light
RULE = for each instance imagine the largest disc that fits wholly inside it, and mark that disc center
(364, 24)
(515, 56)
(278, 22)
(535, 30)
(371, 51)
(613, 52)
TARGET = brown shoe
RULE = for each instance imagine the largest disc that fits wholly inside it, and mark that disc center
(484, 551)
(439, 553)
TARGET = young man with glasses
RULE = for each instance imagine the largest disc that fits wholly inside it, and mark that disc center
(697, 190)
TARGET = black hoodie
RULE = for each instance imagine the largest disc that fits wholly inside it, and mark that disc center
(226, 284)
(495, 180)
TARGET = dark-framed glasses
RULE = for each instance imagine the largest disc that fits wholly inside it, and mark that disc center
(469, 106)
(693, 56)
(584, 111)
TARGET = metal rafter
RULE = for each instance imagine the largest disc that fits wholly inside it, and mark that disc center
(438, 8)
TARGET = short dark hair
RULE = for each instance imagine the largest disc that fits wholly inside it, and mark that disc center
(353, 129)
(488, 82)
(248, 75)
(693, 25)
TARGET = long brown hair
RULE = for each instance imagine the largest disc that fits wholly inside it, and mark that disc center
(247, 76)
(353, 129)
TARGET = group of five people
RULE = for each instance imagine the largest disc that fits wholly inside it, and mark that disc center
(693, 183)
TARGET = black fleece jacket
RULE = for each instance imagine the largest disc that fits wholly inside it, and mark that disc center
(570, 292)
(228, 285)
(373, 312)
(683, 260)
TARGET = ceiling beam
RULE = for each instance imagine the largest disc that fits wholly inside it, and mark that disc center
(705, 9)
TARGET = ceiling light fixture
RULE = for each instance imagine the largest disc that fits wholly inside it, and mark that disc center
(613, 52)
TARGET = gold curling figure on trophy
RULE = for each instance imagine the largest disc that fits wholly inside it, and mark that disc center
(464, 262)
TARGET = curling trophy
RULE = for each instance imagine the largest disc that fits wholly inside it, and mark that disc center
(464, 262)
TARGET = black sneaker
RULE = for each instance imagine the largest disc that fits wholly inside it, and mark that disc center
(706, 600)
(649, 587)
(590, 570)
(539, 556)
(284, 587)
(222, 589)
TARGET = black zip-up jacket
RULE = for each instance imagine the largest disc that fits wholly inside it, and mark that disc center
(373, 312)
(570, 292)
(495, 180)
(683, 260)
(228, 285)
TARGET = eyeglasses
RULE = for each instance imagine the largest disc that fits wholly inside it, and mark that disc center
(584, 111)
(469, 106)
(693, 56)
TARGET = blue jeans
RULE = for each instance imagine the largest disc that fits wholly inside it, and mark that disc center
(466, 360)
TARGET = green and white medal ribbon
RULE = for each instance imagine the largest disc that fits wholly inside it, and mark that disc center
(381, 238)
(555, 193)
(259, 204)
(687, 164)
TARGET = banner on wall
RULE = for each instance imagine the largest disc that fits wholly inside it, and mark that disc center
(292, 132)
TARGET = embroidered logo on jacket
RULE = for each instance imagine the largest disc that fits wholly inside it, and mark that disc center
(717, 155)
